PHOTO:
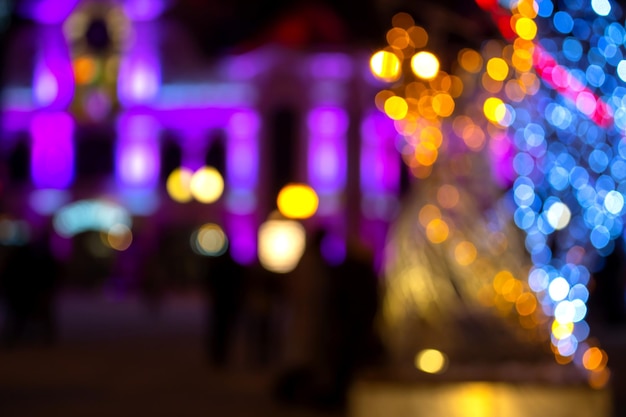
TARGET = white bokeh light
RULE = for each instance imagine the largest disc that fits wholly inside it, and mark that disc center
(558, 289)
(559, 215)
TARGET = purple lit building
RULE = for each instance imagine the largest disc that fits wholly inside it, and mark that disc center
(102, 100)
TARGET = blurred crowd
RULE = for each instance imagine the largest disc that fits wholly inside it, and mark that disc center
(313, 327)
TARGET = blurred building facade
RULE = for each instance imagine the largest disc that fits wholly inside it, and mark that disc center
(103, 101)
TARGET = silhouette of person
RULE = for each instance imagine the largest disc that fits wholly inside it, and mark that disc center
(224, 285)
(261, 296)
(307, 370)
(29, 283)
(354, 306)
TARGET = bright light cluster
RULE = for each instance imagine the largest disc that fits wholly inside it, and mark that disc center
(422, 96)
(571, 159)
(462, 233)
(206, 185)
(552, 112)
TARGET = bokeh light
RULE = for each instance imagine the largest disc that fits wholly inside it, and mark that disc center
(385, 66)
(431, 361)
(206, 185)
(297, 201)
(425, 65)
(119, 237)
(281, 243)
(209, 240)
(178, 185)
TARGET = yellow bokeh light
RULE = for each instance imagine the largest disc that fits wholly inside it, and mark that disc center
(385, 66)
(396, 108)
(437, 231)
(594, 359)
(526, 28)
(425, 107)
(503, 116)
(500, 278)
(206, 185)
(425, 65)
(398, 38)
(470, 60)
(432, 135)
(526, 304)
(431, 361)
(491, 108)
(527, 8)
(443, 104)
(465, 253)
(562, 330)
(297, 201)
(498, 69)
(178, 185)
(512, 289)
(426, 153)
(418, 36)
(522, 60)
(520, 43)
(428, 213)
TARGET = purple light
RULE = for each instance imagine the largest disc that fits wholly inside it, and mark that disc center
(143, 10)
(331, 65)
(137, 155)
(194, 146)
(52, 150)
(49, 12)
(194, 119)
(380, 165)
(502, 152)
(139, 80)
(333, 248)
(327, 149)
(53, 82)
(242, 151)
(139, 77)
(241, 232)
(14, 120)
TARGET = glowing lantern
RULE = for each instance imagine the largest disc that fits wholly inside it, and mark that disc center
(297, 201)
